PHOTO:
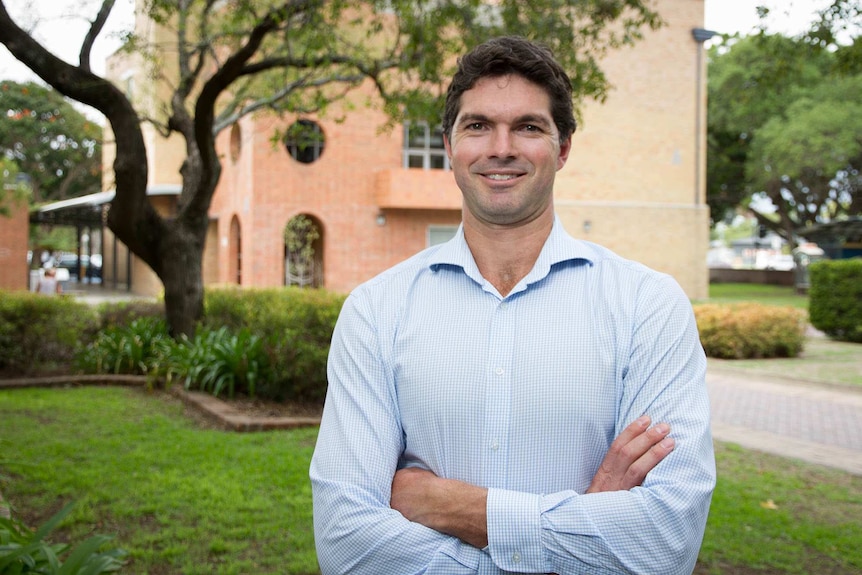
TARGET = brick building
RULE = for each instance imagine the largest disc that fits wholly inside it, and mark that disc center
(14, 275)
(634, 181)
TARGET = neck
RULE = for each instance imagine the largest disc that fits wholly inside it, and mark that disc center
(504, 255)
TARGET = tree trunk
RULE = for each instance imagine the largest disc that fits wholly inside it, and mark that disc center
(181, 255)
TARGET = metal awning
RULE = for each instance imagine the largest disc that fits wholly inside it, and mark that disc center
(87, 210)
(834, 233)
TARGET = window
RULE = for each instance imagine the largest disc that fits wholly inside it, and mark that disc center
(235, 142)
(304, 141)
(423, 147)
(440, 234)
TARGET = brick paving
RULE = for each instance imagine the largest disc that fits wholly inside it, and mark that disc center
(814, 423)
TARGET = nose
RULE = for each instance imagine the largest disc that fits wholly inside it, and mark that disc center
(502, 144)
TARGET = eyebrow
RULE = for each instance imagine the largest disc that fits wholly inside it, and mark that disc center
(537, 119)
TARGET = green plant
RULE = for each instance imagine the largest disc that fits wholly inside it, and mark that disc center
(750, 330)
(296, 326)
(38, 332)
(835, 305)
(219, 361)
(138, 348)
(25, 551)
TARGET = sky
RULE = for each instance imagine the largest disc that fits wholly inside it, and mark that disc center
(60, 25)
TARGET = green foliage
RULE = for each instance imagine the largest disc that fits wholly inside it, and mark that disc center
(750, 330)
(138, 348)
(296, 326)
(120, 313)
(791, 135)
(50, 141)
(218, 361)
(12, 192)
(25, 551)
(39, 332)
(835, 298)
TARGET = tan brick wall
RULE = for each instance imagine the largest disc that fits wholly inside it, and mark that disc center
(14, 275)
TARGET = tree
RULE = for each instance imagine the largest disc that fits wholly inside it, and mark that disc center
(57, 148)
(791, 133)
(236, 57)
(13, 191)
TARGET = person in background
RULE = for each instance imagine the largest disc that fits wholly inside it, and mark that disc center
(48, 284)
(514, 400)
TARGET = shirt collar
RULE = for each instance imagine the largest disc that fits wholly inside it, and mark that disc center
(559, 247)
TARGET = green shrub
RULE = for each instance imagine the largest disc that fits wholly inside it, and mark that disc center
(835, 298)
(139, 348)
(39, 333)
(296, 327)
(122, 313)
(218, 361)
(25, 551)
(750, 330)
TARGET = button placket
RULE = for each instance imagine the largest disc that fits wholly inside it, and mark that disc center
(497, 411)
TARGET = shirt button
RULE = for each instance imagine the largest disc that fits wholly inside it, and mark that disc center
(499, 371)
(495, 445)
(516, 557)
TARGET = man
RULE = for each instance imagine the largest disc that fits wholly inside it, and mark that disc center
(476, 389)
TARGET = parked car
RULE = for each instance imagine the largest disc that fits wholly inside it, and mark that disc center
(92, 269)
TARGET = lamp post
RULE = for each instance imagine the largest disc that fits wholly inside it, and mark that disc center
(700, 36)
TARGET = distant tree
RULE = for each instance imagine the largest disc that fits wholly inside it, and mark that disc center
(58, 149)
(13, 192)
(230, 58)
(784, 125)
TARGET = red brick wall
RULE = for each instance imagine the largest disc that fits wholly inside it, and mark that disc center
(13, 249)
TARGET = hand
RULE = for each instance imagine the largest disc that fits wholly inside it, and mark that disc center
(637, 450)
(445, 505)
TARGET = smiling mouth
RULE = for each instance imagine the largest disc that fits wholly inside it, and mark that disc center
(501, 177)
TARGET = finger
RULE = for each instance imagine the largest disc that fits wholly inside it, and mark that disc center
(641, 444)
(633, 443)
(629, 460)
(638, 470)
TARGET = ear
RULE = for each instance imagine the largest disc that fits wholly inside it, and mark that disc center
(448, 147)
(565, 148)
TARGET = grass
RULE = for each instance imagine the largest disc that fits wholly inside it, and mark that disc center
(179, 498)
(771, 515)
(186, 499)
(765, 294)
(822, 361)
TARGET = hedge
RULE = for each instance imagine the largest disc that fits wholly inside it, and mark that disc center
(835, 298)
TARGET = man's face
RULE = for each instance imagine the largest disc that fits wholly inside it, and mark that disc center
(505, 151)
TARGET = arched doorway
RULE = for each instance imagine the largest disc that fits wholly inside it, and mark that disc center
(303, 251)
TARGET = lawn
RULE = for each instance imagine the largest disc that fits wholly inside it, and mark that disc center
(765, 294)
(182, 498)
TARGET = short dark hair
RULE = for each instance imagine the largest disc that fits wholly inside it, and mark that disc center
(513, 55)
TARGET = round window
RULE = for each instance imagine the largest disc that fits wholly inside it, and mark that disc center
(304, 141)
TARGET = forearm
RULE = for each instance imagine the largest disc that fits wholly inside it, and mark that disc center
(445, 505)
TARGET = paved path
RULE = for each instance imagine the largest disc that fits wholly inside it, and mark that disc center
(799, 420)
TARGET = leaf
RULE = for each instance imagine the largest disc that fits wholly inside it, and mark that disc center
(768, 504)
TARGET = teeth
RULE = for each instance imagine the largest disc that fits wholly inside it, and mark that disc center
(501, 177)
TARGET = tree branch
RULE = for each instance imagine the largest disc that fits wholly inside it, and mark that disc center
(93, 33)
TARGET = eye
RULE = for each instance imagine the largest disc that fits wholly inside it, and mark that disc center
(475, 126)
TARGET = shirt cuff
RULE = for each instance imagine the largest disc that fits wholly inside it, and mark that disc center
(515, 531)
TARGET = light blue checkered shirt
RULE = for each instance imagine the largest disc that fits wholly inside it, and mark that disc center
(430, 367)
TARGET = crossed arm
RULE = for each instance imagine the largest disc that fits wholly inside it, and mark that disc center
(459, 509)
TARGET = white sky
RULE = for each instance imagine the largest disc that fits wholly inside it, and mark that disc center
(60, 25)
